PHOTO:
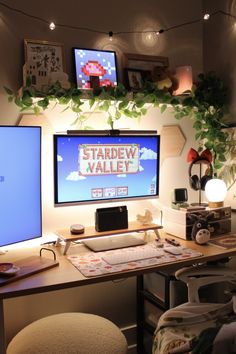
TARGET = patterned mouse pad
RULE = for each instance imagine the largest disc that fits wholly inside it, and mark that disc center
(93, 264)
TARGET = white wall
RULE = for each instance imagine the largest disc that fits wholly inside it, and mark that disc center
(182, 46)
(219, 37)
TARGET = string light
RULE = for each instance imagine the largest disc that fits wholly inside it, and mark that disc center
(159, 32)
(110, 34)
(206, 17)
(52, 25)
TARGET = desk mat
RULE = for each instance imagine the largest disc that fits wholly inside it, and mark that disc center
(92, 265)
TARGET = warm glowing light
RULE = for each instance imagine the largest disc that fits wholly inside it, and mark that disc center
(184, 77)
(110, 34)
(159, 32)
(215, 191)
(206, 17)
(52, 26)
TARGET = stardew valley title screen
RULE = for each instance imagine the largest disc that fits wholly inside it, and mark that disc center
(91, 168)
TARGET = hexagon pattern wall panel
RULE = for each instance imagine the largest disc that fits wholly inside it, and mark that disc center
(172, 141)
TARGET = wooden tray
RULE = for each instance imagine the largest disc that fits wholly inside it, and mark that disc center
(29, 266)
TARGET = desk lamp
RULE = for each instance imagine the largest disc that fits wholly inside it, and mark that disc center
(216, 191)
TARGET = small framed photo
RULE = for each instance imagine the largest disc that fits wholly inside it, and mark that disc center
(135, 78)
(42, 60)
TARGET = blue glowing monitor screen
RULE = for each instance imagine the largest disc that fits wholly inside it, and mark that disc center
(95, 64)
(101, 168)
(20, 184)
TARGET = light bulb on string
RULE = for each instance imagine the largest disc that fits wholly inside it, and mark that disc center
(206, 17)
(52, 26)
(110, 34)
(159, 32)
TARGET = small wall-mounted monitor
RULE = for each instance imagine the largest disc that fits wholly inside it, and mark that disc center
(100, 168)
(20, 184)
(94, 68)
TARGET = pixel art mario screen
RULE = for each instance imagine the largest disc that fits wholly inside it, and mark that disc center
(96, 168)
(95, 64)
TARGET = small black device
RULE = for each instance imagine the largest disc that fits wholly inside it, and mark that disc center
(113, 218)
(180, 195)
(179, 198)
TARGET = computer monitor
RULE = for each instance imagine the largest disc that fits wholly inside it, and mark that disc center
(20, 184)
(98, 168)
(95, 68)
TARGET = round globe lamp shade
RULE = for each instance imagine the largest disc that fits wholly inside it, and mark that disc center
(215, 191)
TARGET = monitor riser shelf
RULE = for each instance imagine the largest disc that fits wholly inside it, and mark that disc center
(90, 232)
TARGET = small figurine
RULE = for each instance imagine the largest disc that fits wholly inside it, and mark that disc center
(201, 228)
(145, 219)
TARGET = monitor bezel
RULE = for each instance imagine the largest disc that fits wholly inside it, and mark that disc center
(40, 184)
(109, 200)
(94, 50)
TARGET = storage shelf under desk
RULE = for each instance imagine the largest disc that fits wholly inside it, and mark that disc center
(90, 232)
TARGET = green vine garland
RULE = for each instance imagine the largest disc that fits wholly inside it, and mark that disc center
(206, 105)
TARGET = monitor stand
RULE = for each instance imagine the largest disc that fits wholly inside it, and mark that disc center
(90, 233)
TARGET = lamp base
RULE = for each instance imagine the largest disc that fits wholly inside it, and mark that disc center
(215, 204)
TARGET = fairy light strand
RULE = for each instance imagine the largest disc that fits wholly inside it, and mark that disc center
(110, 33)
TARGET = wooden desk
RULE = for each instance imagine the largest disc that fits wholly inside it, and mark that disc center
(67, 276)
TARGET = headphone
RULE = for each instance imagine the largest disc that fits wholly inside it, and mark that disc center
(195, 182)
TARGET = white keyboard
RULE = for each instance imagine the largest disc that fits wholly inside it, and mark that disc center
(131, 254)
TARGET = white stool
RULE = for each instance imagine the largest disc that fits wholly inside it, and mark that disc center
(69, 333)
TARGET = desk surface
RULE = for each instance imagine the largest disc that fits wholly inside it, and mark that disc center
(67, 276)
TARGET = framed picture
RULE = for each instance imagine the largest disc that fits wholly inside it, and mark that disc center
(42, 60)
(145, 62)
(135, 78)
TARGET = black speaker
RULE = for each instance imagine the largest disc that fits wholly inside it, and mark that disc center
(107, 219)
(180, 195)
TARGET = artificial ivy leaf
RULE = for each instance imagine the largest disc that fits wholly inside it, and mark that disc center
(18, 102)
(163, 108)
(43, 103)
(143, 111)
(36, 110)
(110, 121)
(117, 115)
(104, 106)
(64, 100)
(197, 125)
(76, 99)
(123, 104)
(221, 158)
(76, 109)
(8, 91)
(217, 165)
